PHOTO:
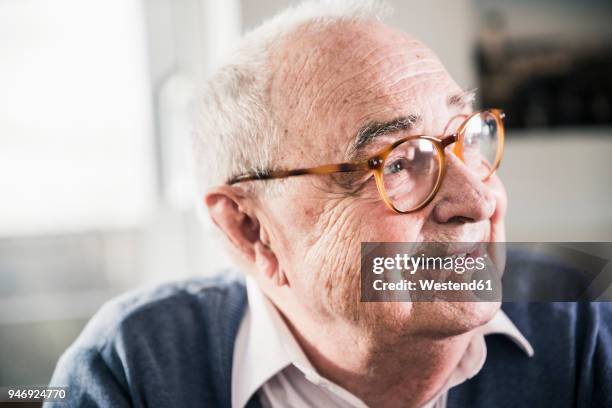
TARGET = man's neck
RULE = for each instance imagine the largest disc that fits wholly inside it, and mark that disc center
(381, 370)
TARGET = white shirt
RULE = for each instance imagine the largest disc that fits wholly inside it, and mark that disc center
(268, 360)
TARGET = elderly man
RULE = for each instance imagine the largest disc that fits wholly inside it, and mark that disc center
(310, 141)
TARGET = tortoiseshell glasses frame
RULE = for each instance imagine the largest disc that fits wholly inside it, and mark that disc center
(376, 162)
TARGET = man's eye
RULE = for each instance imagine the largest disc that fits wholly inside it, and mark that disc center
(397, 165)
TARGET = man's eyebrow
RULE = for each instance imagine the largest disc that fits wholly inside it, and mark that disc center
(372, 130)
(462, 99)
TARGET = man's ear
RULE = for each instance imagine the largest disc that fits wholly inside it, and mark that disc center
(266, 260)
(242, 230)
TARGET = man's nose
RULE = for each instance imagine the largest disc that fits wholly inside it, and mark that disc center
(463, 197)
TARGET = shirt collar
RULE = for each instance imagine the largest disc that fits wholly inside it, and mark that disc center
(259, 351)
(501, 324)
(265, 346)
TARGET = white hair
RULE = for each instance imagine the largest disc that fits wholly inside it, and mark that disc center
(234, 131)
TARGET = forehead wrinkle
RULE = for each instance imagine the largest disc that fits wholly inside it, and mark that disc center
(404, 78)
(348, 95)
(350, 80)
(313, 43)
(405, 67)
(407, 98)
(319, 60)
(295, 68)
(331, 78)
(415, 76)
(294, 87)
(353, 94)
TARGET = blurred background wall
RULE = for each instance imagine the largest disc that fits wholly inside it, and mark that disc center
(95, 180)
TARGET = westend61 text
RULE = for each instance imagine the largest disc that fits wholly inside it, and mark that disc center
(431, 284)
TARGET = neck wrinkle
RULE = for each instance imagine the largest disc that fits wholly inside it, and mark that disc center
(381, 370)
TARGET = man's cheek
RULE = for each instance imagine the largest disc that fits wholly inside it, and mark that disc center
(339, 244)
(399, 228)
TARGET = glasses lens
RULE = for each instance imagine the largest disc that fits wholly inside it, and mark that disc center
(481, 144)
(410, 173)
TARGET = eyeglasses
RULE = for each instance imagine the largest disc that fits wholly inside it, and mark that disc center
(409, 172)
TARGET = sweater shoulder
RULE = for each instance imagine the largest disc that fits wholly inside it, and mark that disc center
(170, 343)
(169, 306)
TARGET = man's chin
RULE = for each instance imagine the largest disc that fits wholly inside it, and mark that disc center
(454, 318)
(445, 319)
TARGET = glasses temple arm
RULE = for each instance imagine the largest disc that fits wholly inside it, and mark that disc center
(324, 169)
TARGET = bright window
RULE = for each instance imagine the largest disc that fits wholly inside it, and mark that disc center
(76, 134)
